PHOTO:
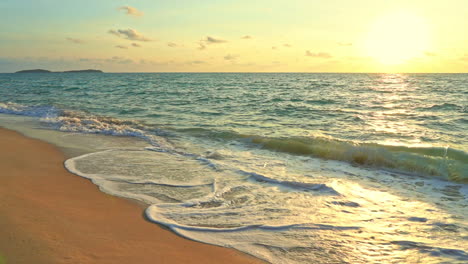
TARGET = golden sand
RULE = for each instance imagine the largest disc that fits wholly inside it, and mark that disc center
(48, 215)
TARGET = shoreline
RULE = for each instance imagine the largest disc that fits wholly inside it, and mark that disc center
(49, 215)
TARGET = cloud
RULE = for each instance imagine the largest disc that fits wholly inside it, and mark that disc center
(131, 11)
(248, 64)
(287, 45)
(121, 47)
(324, 55)
(136, 45)
(119, 60)
(129, 34)
(231, 57)
(201, 45)
(196, 62)
(212, 40)
(430, 54)
(246, 37)
(171, 44)
(345, 44)
(155, 63)
(75, 40)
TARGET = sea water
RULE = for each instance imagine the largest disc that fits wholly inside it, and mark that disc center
(290, 168)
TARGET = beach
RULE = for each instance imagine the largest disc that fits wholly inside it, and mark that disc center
(233, 131)
(48, 215)
(287, 168)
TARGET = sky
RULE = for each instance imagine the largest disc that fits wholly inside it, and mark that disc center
(235, 36)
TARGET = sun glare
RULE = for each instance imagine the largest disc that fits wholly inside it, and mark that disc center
(397, 37)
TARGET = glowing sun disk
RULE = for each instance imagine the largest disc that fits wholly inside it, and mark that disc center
(397, 37)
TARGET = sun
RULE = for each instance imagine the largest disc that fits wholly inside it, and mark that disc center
(397, 37)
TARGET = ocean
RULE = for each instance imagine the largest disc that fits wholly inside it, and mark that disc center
(287, 167)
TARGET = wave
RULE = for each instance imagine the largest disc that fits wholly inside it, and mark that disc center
(70, 165)
(321, 101)
(435, 251)
(442, 162)
(291, 184)
(82, 122)
(33, 111)
(446, 107)
(448, 163)
(154, 214)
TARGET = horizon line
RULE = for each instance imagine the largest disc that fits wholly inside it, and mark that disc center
(260, 72)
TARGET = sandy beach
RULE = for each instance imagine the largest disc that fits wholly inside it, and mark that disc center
(48, 215)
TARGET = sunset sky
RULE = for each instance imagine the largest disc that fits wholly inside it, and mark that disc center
(235, 36)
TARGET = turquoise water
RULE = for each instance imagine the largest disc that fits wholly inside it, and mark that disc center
(291, 168)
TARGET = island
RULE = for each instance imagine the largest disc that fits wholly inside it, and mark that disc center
(34, 71)
(47, 71)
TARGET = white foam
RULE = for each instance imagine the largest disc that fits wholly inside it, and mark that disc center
(34, 111)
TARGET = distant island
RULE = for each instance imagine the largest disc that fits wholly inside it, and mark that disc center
(34, 71)
(47, 71)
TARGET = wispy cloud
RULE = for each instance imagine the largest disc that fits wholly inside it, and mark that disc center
(231, 57)
(156, 63)
(201, 45)
(119, 60)
(172, 44)
(75, 40)
(121, 47)
(212, 40)
(129, 34)
(324, 55)
(344, 44)
(196, 62)
(131, 11)
(136, 45)
(247, 37)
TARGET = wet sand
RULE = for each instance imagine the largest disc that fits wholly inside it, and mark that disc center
(48, 215)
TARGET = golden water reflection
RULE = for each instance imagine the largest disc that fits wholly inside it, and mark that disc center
(392, 228)
(391, 109)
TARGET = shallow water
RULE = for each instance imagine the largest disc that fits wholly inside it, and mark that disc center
(291, 168)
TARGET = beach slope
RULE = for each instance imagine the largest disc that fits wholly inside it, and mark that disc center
(48, 215)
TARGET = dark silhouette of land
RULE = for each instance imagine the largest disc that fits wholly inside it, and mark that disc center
(34, 71)
(46, 71)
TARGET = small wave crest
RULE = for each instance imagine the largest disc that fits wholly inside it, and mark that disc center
(434, 251)
(107, 168)
(155, 214)
(33, 111)
(446, 107)
(321, 187)
(82, 122)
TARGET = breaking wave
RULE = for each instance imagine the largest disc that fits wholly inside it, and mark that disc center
(442, 162)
